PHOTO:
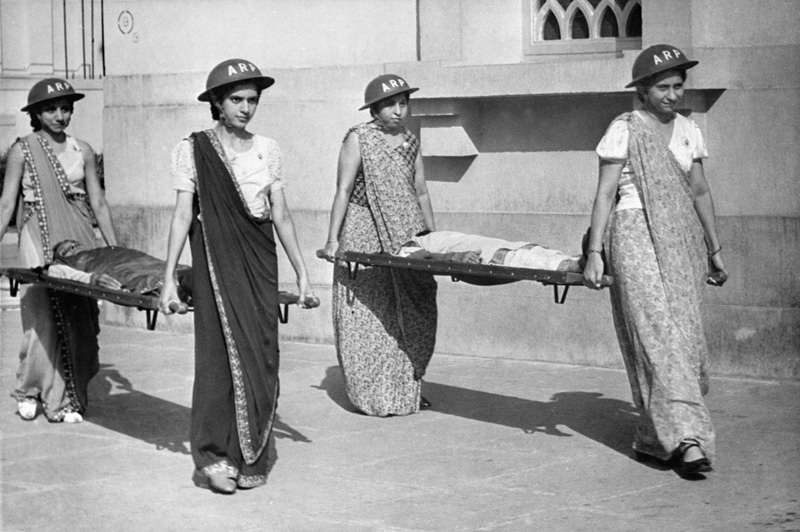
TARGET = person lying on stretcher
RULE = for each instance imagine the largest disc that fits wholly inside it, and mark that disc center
(476, 249)
(117, 268)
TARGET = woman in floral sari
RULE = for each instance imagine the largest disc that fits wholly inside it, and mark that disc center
(55, 177)
(385, 319)
(230, 195)
(651, 165)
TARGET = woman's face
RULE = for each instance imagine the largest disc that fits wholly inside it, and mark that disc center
(664, 96)
(55, 115)
(393, 111)
(239, 106)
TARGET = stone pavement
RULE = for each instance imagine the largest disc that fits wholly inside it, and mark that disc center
(508, 446)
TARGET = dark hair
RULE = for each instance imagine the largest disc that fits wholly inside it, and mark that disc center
(375, 107)
(643, 85)
(220, 93)
(36, 124)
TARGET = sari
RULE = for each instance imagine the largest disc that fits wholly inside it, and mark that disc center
(385, 319)
(59, 353)
(235, 277)
(656, 256)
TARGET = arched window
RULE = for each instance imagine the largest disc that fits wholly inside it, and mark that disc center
(608, 24)
(555, 27)
(580, 28)
(633, 26)
(552, 31)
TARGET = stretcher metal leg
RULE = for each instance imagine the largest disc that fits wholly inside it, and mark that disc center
(352, 270)
(152, 317)
(560, 300)
(13, 287)
(283, 313)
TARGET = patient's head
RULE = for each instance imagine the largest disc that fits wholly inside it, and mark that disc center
(66, 248)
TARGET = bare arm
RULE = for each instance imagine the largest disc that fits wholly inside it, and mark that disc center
(349, 164)
(704, 206)
(284, 225)
(603, 203)
(178, 231)
(97, 197)
(421, 187)
(12, 179)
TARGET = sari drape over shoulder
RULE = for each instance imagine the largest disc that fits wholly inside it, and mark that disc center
(385, 319)
(59, 353)
(236, 323)
(657, 260)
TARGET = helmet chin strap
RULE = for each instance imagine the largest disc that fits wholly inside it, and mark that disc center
(222, 118)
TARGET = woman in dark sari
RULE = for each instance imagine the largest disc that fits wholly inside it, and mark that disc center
(230, 194)
(385, 319)
(651, 176)
(54, 176)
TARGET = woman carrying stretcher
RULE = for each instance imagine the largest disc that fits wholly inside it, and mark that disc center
(651, 160)
(385, 321)
(55, 175)
(230, 196)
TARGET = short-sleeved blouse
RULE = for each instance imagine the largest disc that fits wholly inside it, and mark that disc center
(687, 144)
(258, 171)
(71, 160)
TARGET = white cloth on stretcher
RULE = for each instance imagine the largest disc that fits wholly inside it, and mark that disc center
(518, 255)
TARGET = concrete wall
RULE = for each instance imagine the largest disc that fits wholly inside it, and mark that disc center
(533, 127)
(192, 35)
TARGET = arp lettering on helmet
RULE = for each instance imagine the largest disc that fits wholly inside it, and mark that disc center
(243, 67)
(395, 83)
(667, 56)
(59, 87)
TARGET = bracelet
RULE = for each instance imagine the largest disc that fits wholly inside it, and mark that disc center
(599, 252)
(331, 242)
(712, 253)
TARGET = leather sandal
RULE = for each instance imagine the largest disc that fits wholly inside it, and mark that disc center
(692, 467)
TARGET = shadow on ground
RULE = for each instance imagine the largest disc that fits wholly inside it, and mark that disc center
(610, 422)
(117, 406)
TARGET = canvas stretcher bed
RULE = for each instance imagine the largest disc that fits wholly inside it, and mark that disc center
(146, 303)
(477, 274)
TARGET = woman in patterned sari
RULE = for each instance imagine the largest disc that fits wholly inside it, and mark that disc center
(230, 195)
(55, 177)
(385, 319)
(651, 165)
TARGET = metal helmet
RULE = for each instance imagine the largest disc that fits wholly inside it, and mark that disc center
(384, 86)
(231, 72)
(51, 89)
(658, 58)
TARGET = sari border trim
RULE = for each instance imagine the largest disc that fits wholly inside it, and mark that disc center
(251, 481)
(249, 452)
(38, 200)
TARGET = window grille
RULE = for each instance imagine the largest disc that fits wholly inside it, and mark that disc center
(581, 26)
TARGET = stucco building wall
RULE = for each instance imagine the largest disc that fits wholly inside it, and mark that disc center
(532, 122)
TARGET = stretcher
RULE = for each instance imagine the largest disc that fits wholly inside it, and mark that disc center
(147, 303)
(477, 274)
